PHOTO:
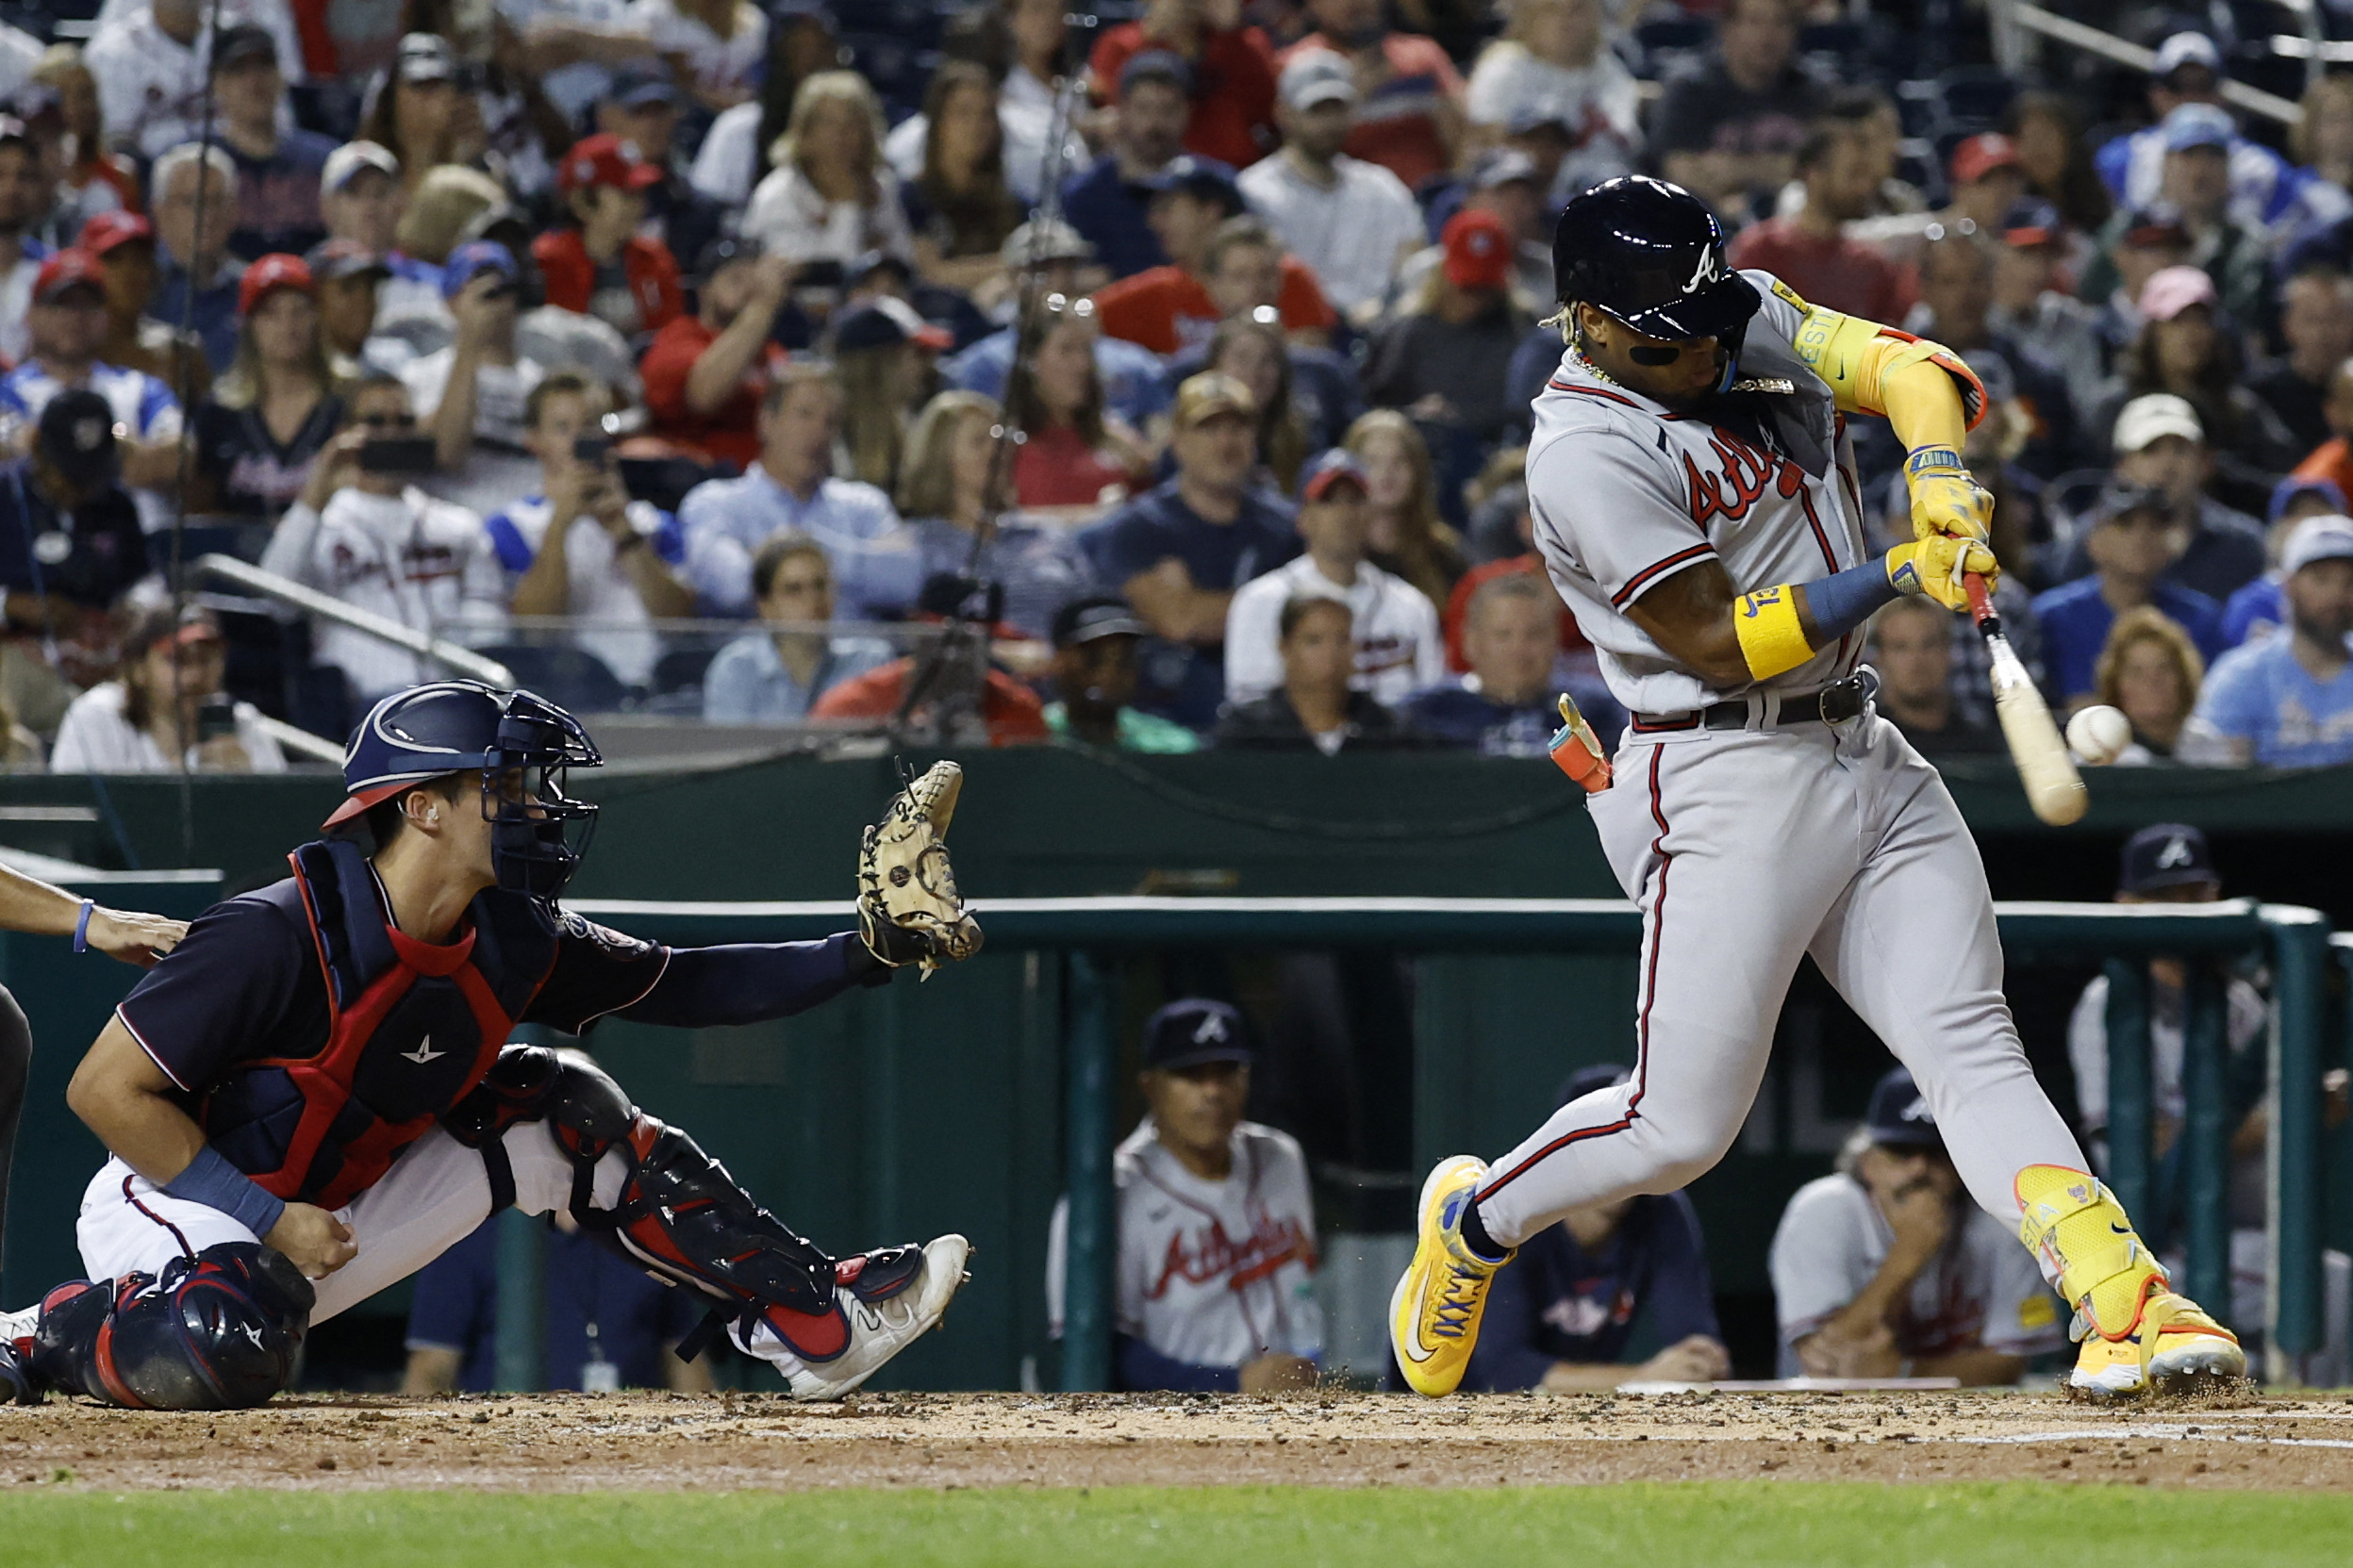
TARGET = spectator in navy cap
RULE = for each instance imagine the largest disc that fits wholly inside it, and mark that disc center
(1215, 1277)
(2187, 74)
(277, 169)
(472, 396)
(1096, 642)
(1886, 1269)
(643, 110)
(2034, 300)
(1230, 64)
(1581, 1298)
(1108, 203)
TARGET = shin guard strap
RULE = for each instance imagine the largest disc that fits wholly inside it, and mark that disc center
(2085, 1237)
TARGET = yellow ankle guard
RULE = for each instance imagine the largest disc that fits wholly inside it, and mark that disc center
(2083, 1236)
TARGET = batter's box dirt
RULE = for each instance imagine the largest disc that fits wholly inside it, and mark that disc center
(581, 1443)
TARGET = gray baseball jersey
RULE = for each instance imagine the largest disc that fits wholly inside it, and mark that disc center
(1626, 493)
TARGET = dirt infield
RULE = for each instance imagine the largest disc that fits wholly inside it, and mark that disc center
(577, 1443)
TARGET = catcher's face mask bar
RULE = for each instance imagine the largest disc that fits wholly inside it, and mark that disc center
(539, 833)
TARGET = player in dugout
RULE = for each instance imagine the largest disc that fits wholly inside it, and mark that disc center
(312, 1095)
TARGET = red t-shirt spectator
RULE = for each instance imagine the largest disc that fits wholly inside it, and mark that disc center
(1168, 309)
(570, 276)
(734, 432)
(1836, 273)
(1014, 715)
(1056, 468)
(1233, 89)
(1397, 122)
(1458, 605)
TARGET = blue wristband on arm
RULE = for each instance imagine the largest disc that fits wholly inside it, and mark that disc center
(212, 1181)
(1840, 604)
(81, 926)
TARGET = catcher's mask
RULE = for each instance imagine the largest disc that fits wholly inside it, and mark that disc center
(517, 743)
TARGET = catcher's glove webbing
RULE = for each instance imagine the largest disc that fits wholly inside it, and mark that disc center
(909, 911)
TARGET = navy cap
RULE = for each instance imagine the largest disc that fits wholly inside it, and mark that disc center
(2293, 489)
(1199, 176)
(1104, 615)
(643, 86)
(2169, 855)
(1195, 1031)
(1157, 65)
(76, 434)
(473, 259)
(1899, 1116)
(1588, 1081)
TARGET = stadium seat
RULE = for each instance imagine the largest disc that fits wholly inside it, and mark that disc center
(570, 676)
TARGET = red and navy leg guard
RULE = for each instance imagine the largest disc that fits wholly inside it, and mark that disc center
(216, 1331)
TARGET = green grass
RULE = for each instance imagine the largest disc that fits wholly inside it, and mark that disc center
(1751, 1523)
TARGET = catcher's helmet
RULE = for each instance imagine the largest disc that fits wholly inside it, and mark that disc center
(1651, 255)
(463, 727)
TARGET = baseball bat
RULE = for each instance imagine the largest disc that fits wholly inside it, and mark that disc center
(2053, 787)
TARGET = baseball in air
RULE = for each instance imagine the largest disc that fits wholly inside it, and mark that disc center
(2098, 734)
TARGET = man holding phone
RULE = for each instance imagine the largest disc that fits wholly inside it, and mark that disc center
(470, 396)
(364, 532)
(578, 546)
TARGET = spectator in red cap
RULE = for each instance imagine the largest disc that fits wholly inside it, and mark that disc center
(599, 263)
(124, 244)
(277, 169)
(1232, 73)
(1987, 180)
(1445, 359)
(1810, 250)
(67, 324)
(275, 409)
(1235, 265)
(706, 373)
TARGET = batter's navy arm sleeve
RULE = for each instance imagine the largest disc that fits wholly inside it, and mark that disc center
(747, 982)
(231, 988)
(1507, 1357)
(1682, 1301)
(1139, 1368)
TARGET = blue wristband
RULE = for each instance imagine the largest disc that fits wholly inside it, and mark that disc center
(81, 927)
(1842, 602)
(212, 1181)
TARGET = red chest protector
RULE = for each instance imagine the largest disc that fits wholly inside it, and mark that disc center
(412, 1027)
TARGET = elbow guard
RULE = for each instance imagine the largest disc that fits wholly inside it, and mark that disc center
(1864, 364)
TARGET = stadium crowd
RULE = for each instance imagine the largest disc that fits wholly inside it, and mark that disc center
(1186, 345)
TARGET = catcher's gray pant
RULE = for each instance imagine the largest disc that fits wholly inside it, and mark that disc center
(1746, 849)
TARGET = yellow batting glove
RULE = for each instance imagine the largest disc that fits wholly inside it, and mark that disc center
(1934, 566)
(1945, 499)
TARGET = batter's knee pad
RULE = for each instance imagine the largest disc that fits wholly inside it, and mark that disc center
(680, 1216)
(216, 1331)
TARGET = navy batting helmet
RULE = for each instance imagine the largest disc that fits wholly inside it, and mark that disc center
(1650, 254)
(448, 727)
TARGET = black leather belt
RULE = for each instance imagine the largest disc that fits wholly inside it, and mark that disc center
(1834, 703)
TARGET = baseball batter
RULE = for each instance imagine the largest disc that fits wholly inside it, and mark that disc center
(312, 1095)
(1696, 500)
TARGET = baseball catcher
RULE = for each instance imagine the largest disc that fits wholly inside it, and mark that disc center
(1694, 490)
(313, 1094)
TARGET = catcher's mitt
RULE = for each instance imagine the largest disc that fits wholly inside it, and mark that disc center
(908, 908)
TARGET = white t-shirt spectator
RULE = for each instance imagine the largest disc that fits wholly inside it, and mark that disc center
(575, 88)
(1984, 1288)
(151, 85)
(719, 64)
(792, 218)
(1210, 1272)
(621, 634)
(96, 738)
(20, 51)
(1351, 236)
(411, 558)
(1599, 104)
(729, 157)
(1400, 649)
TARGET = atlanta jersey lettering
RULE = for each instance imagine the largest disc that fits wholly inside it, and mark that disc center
(1626, 494)
(1210, 1272)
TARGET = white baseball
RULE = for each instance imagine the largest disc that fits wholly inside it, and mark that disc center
(2098, 734)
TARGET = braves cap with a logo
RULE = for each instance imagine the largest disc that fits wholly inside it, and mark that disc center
(604, 159)
(2169, 855)
(76, 436)
(1478, 250)
(1194, 1032)
(108, 231)
(272, 272)
(1339, 465)
(63, 273)
(1899, 1116)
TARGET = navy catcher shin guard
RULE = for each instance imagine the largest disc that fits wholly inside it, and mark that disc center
(680, 1216)
(216, 1331)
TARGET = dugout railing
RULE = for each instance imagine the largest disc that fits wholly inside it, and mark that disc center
(1092, 934)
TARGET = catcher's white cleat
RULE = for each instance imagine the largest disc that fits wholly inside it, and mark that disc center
(884, 1317)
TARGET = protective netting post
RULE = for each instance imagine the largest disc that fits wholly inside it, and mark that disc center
(1093, 1243)
(2132, 1119)
(2206, 1140)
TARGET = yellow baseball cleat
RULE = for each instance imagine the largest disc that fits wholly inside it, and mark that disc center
(2138, 1336)
(1433, 1317)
